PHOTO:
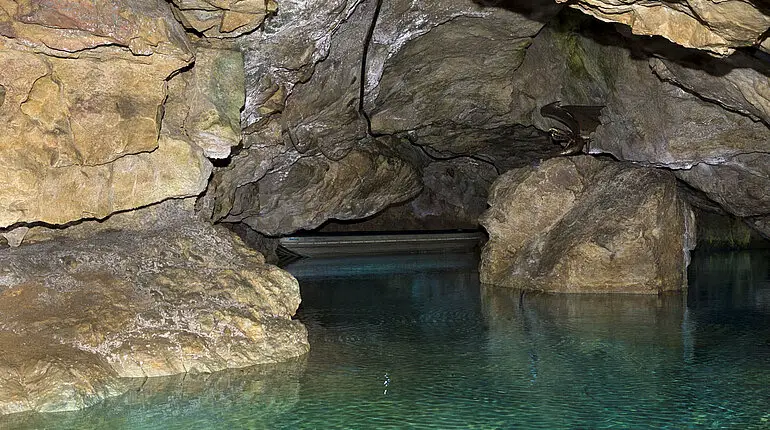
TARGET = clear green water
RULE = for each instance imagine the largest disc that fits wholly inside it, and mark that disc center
(415, 342)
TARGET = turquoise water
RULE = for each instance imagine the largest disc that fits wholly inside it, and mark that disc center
(415, 342)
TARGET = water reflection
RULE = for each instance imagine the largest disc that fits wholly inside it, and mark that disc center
(237, 398)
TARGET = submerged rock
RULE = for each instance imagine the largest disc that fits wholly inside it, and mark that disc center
(78, 315)
(584, 225)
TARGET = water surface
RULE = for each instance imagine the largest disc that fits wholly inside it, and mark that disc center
(414, 341)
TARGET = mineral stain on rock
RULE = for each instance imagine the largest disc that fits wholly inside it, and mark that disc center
(2, 95)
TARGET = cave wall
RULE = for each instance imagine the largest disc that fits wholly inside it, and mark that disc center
(114, 108)
(125, 122)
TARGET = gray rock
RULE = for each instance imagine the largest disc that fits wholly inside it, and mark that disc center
(739, 82)
(741, 185)
(454, 195)
(204, 103)
(315, 189)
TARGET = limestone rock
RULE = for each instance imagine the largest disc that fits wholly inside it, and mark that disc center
(760, 224)
(204, 103)
(582, 225)
(223, 18)
(301, 109)
(741, 185)
(739, 83)
(716, 26)
(645, 120)
(79, 315)
(60, 195)
(459, 86)
(653, 116)
(454, 196)
(83, 91)
(315, 189)
(65, 27)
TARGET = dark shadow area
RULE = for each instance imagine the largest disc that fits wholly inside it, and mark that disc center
(643, 47)
(537, 10)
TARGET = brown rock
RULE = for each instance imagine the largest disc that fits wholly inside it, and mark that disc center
(84, 85)
(223, 18)
(583, 225)
(60, 195)
(62, 27)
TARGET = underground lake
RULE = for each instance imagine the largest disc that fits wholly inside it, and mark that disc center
(415, 341)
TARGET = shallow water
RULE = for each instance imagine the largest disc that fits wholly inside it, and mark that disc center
(415, 342)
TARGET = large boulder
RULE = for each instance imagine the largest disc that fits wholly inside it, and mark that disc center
(169, 295)
(584, 225)
(666, 106)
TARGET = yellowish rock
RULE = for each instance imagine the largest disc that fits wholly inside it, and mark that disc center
(580, 225)
(223, 18)
(711, 25)
(83, 88)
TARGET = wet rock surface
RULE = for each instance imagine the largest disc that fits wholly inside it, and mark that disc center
(303, 119)
(454, 195)
(589, 226)
(665, 106)
(78, 316)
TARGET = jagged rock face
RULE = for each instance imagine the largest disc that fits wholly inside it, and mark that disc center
(652, 116)
(170, 295)
(223, 18)
(300, 110)
(83, 89)
(204, 103)
(589, 226)
(454, 195)
(314, 189)
(716, 26)
(645, 120)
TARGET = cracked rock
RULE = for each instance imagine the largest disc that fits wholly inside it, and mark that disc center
(591, 226)
(159, 298)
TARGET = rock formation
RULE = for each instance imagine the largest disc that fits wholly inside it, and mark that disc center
(589, 226)
(288, 117)
(169, 295)
(223, 18)
(84, 88)
(716, 26)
